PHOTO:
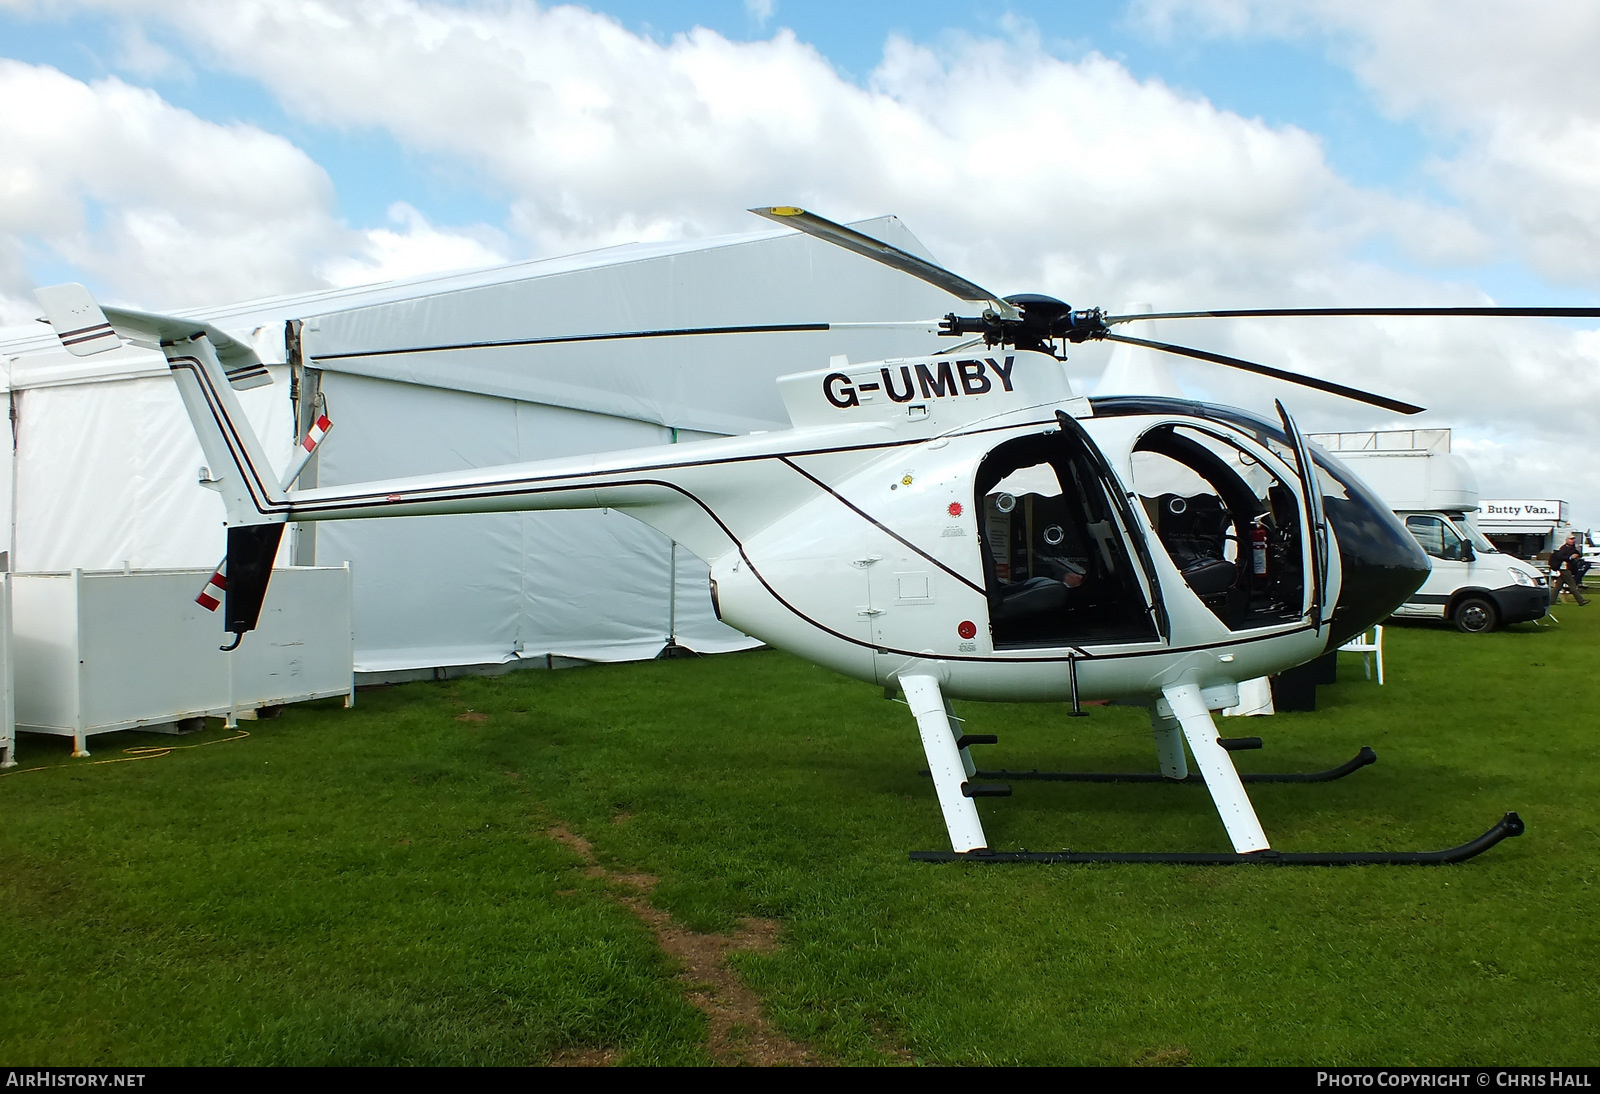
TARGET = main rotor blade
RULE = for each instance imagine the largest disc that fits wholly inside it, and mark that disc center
(930, 325)
(1254, 313)
(888, 254)
(1276, 373)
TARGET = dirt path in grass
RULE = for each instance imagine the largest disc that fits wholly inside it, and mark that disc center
(738, 1032)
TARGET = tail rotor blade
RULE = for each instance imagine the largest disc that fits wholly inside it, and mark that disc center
(304, 450)
(211, 596)
(1276, 373)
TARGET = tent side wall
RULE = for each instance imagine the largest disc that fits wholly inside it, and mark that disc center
(500, 587)
(107, 470)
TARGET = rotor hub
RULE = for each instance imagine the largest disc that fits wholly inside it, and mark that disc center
(1042, 321)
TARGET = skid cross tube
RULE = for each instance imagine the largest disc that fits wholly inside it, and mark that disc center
(1506, 827)
(1355, 763)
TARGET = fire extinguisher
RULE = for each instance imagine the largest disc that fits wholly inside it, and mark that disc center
(1258, 550)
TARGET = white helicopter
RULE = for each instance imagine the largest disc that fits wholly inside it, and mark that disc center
(963, 525)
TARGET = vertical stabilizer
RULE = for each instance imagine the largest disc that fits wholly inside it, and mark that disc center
(237, 462)
(250, 554)
(208, 364)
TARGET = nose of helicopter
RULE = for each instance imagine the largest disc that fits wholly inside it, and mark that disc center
(1382, 563)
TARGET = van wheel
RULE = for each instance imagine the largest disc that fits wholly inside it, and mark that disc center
(1476, 615)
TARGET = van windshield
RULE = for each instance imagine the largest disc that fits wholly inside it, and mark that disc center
(1480, 542)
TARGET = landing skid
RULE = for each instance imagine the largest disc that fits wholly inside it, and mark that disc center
(1180, 717)
(1355, 763)
(1508, 826)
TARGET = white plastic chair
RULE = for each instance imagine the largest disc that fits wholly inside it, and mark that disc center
(1368, 649)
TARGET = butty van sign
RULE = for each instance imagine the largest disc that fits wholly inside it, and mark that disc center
(1524, 509)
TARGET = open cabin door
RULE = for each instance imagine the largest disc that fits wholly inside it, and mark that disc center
(1120, 502)
(1065, 563)
(1316, 518)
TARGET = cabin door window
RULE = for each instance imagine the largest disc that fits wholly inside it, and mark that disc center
(1056, 557)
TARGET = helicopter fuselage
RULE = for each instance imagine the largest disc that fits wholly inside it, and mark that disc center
(974, 519)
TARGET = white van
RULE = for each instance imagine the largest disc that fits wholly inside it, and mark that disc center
(1472, 584)
(1432, 490)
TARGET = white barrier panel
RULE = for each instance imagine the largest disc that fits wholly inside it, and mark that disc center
(301, 647)
(8, 705)
(98, 651)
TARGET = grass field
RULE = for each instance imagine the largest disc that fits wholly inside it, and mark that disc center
(455, 873)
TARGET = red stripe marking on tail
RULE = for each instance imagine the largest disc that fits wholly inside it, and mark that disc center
(319, 429)
(211, 596)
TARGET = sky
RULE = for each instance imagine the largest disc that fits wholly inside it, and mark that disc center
(1183, 155)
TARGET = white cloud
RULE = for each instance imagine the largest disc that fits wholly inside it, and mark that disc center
(387, 254)
(158, 207)
(1511, 466)
(1017, 168)
(997, 151)
(1021, 168)
(761, 11)
(138, 56)
(152, 201)
(1514, 86)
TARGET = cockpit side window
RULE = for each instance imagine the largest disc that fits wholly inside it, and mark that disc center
(1230, 524)
(1056, 565)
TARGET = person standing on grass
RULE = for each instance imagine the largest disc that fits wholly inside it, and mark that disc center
(1564, 571)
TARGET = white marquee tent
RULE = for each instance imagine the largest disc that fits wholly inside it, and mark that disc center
(102, 468)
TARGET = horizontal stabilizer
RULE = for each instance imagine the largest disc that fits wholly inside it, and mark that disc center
(82, 327)
(85, 328)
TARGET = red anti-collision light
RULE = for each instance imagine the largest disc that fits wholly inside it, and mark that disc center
(955, 509)
(967, 629)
